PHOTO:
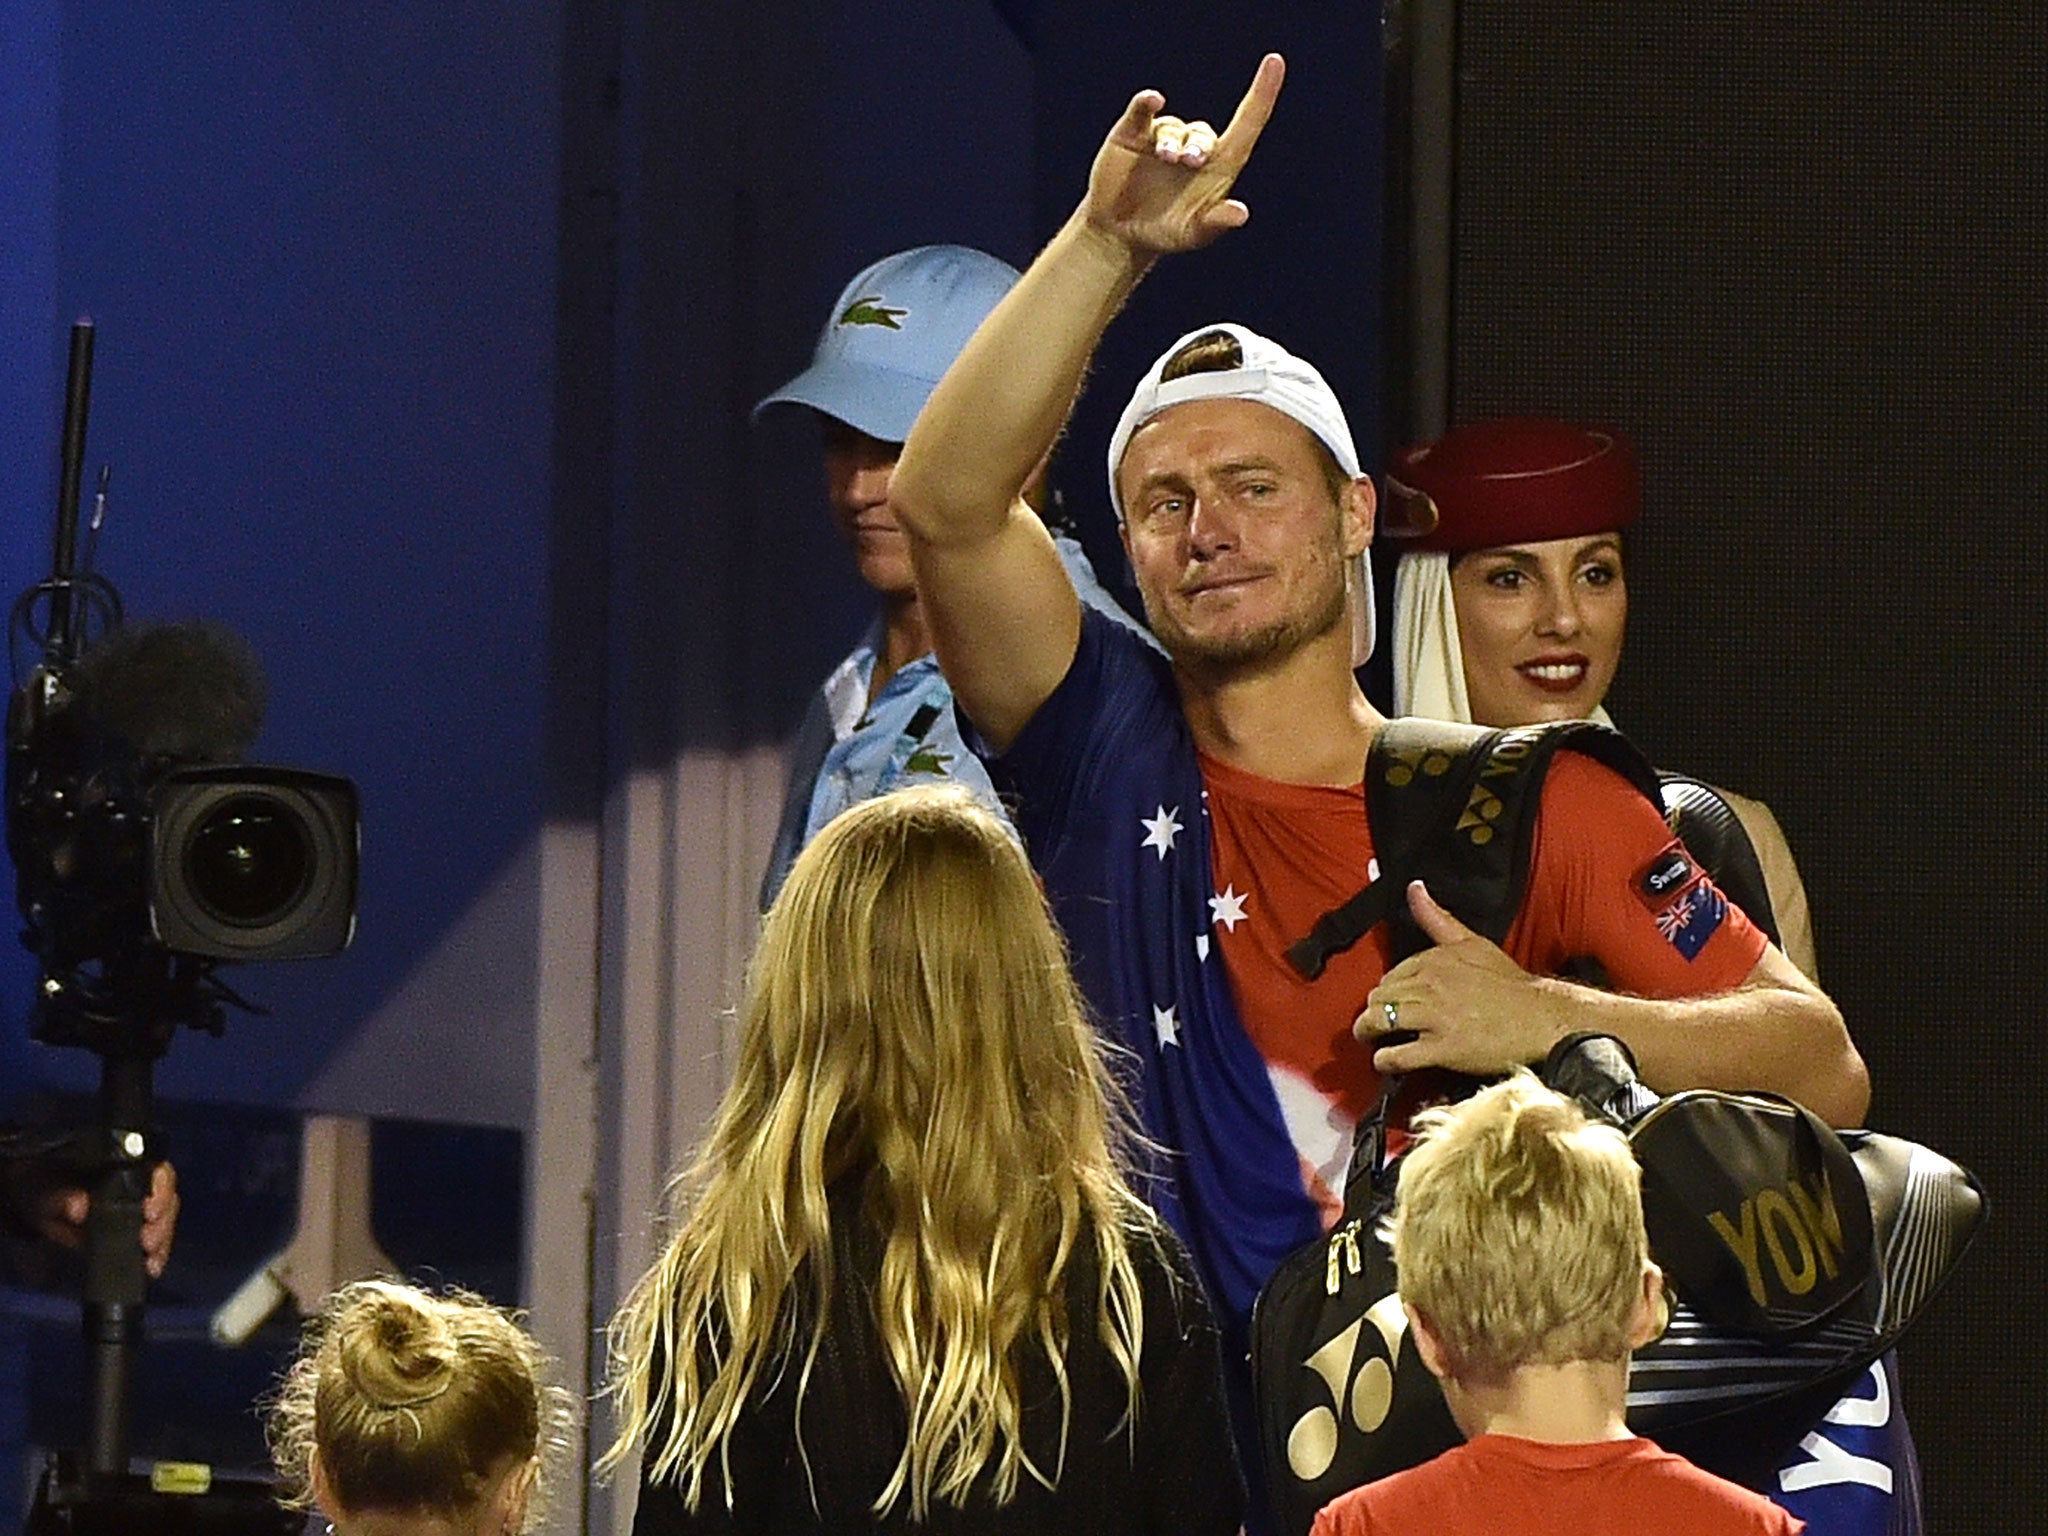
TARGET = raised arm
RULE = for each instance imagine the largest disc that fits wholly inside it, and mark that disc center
(1002, 614)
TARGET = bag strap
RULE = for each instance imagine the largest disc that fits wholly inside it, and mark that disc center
(1715, 836)
(1417, 777)
(1452, 805)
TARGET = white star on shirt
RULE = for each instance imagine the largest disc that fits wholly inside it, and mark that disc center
(1166, 1026)
(1160, 830)
(1227, 909)
(1201, 946)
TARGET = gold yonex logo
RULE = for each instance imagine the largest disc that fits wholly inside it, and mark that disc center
(1798, 1228)
(1406, 764)
(1364, 1395)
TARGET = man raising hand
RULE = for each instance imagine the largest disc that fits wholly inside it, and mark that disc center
(1193, 814)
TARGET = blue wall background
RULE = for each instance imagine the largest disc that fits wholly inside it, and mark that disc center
(321, 247)
(318, 245)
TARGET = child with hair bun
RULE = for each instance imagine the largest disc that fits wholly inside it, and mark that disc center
(413, 1414)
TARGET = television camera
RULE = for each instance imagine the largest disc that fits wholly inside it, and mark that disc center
(147, 855)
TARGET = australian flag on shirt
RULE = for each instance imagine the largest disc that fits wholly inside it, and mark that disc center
(1106, 788)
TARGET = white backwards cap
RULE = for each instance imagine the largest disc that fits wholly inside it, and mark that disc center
(1274, 376)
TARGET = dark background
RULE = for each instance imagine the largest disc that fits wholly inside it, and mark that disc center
(1797, 253)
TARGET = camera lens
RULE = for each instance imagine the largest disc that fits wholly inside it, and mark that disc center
(249, 860)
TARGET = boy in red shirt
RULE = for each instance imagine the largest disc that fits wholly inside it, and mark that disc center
(1525, 1272)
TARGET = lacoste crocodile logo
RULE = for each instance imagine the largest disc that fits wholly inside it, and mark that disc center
(872, 311)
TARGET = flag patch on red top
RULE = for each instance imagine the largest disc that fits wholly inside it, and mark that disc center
(1692, 919)
(1687, 905)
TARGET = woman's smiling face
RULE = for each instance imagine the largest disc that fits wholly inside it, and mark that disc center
(1541, 627)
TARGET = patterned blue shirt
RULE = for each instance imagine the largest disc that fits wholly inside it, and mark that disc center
(1105, 785)
(848, 750)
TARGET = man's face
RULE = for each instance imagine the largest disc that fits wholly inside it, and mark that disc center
(857, 471)
(1237, 541)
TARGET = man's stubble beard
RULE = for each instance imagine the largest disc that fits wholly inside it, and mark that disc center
(1253, 648)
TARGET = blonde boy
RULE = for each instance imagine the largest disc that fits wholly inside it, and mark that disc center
(1526, 1277)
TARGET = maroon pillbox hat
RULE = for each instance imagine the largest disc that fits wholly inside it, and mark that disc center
(1515, 480)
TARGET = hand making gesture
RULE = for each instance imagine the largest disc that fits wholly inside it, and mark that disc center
(1160, 184)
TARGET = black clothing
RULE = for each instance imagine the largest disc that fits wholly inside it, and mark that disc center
(1177, 1474)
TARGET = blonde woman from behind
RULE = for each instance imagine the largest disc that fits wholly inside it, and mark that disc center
(908, 1287)
(408, 1413)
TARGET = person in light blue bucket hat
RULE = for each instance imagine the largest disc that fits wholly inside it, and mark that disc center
(884, 718)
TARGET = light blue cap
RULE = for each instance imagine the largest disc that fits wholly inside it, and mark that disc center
(893, 332)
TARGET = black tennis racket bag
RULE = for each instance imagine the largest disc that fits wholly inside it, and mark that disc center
(1797, 1255)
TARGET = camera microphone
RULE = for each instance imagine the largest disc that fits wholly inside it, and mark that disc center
(187, 692)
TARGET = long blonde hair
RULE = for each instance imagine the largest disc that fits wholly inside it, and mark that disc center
(909, 1016)
(400, 1399)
